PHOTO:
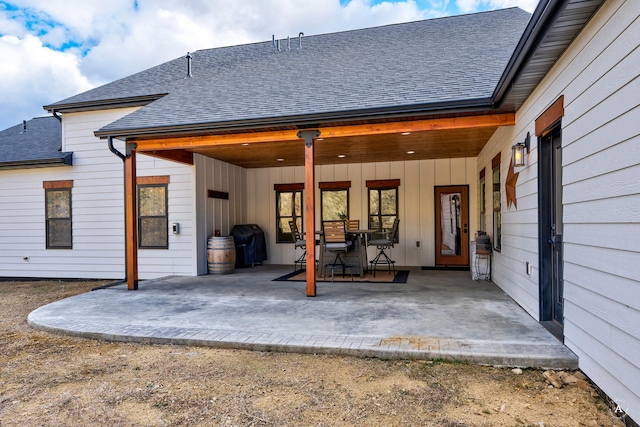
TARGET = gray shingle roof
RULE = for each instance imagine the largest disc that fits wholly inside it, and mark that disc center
(39, 146)
(425, 62)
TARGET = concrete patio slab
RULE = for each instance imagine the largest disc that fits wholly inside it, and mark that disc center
(436, 314)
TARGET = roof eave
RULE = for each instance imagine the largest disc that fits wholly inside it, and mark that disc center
(303, 121)
(133, 101)
(65, 160)
(531, 38)
(540, 25)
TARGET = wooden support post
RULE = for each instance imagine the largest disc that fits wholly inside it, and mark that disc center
(131, 218)
(309, 207)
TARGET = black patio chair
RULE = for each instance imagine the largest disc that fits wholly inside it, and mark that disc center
(335, 240)
(299, 242)
(386, 241)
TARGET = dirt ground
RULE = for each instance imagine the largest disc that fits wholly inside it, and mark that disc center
(52, 380)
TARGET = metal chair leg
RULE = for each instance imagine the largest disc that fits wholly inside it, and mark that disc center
(335, 264)
(390, 263)
(302, 260)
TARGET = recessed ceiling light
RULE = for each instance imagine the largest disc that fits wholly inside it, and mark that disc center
(405, 133)
(342, 156)
(281, 160)
(411, 152)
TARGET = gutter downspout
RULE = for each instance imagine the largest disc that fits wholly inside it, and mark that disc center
(114, 150)
(123, 158)
(56, 115)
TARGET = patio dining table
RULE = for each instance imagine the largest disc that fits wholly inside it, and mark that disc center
(356, 257)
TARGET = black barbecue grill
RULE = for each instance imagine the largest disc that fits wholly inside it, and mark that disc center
(251, 245)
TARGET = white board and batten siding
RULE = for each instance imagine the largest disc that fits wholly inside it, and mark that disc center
(97, 211)
(415, 201)
(216, 214)
(599, 78)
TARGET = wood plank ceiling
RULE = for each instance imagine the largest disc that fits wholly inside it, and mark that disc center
(358, 149)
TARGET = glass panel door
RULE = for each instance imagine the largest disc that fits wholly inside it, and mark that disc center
(452, 225)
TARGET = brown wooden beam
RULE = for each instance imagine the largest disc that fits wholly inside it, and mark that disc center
(550, 116)
(504, 119)
(180, 156)
(204, 141)
(186, 143)
(382, 183)
(131, 220)
(298, 186)
(496, 160)
(310, 208)
(334, 185)
(150, 180)
(68, 183)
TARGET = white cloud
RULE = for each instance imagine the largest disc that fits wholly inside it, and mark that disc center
(32, 75)
(56, 38)
(10, 26)
(106, 40)
(528, 5)
(468, 6)
(82, 17)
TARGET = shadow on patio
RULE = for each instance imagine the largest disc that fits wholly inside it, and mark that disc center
(436, 314)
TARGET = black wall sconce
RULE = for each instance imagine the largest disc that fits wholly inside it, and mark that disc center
(519, 151)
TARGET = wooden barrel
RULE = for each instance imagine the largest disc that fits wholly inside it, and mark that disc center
(221, 255)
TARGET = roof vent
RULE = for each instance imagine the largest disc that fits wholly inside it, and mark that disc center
(188, 58)
(276, 44)
(24, 127)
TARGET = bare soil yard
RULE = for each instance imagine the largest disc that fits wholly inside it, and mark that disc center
(51, 380)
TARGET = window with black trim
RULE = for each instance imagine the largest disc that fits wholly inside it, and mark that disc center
(334, 200)
(334, 204)
(483, 202)
(153, 219)
(497, 204)
(383, 204)
(58, 215)
(288, 208)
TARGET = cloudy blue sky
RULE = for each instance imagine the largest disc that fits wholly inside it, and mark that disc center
(53, 49)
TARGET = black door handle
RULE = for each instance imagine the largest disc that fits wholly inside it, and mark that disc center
(554, 240)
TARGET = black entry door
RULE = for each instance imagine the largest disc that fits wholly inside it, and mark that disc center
(551, 227)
